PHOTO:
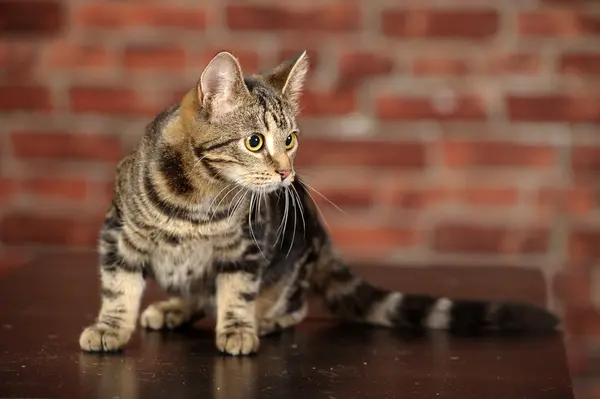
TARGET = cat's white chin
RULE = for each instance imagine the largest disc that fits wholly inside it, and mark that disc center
(274, 186)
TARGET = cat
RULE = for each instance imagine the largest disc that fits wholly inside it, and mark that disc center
(209, 206)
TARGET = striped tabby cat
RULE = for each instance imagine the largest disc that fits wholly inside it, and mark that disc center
(210, 207)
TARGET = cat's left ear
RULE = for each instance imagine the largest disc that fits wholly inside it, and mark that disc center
(288, 78)
(221, 88)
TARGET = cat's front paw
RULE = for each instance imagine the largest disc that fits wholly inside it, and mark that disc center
(237, 342)
(99, 338)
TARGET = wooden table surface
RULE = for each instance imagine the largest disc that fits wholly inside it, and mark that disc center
(45, 304)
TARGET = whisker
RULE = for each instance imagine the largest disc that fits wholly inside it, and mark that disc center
(324, 197)
(294, 233)
(317, 206)
(217, 196)
(285, 217)
(197, 163)
(241, 201)
(265, 196)
(250, 226)
(260, 199)
(220, 202)
(301, 207)
(280, 224)
(233, 210)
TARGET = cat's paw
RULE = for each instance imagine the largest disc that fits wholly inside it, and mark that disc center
(237, 342)
(99, 338)
(268, 326)
(157, 316)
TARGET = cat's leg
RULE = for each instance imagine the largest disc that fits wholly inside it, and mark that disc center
(236, 330)
(172, 313)
(294, 311)
(271, 325)
(122, 285)
(121, 293)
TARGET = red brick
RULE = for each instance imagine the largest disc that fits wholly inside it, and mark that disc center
(344, 197)
(109, 189)
(29, 17)
(570, 2)
(578, 200)
(18, 61)
(572, 285)
(110, 101)
(488, 196)
(580, 63)
(66, 146)
(554, 108)
(8, 189)
(248, 59)
(154, 57)
(414, 198)
(26, 98)
(338, 17)
(364, 154)
(420, 198)
(428, 23)
(558, 23)
(314, 103)
(463, 108)
(356, 66)
(514, 63)
(54, 188)
(373, 237)
(293, 50)
(480, 239)
(440, 66)
(119, 15)
(585, 159)
(584, 245)
(70, 55)
(28, 229)
(459, 153)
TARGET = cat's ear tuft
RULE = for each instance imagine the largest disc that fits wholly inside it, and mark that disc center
(288, 78)
(221, 86)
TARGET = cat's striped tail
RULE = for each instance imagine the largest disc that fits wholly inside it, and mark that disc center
(352, 298)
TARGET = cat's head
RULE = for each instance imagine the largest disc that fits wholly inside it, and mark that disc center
(243, 129)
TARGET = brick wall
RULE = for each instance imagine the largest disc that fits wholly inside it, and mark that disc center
(449, 131)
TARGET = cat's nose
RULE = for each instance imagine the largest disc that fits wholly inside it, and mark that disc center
(284, 173)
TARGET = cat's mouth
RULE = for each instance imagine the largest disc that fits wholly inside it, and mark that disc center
(287, 182)
(274, 185)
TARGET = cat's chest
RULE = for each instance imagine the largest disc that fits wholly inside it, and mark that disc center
(184, 268)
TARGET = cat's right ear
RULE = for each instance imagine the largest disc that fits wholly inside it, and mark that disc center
(221, 86)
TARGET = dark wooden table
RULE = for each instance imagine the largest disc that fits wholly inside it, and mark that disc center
(45, 304)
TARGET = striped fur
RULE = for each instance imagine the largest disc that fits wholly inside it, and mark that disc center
(234, 234)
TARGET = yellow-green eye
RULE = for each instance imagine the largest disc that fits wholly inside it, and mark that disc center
(290, 141)
(254, 142)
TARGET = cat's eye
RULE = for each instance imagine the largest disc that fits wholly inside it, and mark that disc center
(255, 142)
(290, 141)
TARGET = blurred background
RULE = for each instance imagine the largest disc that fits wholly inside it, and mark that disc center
(451, 132)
